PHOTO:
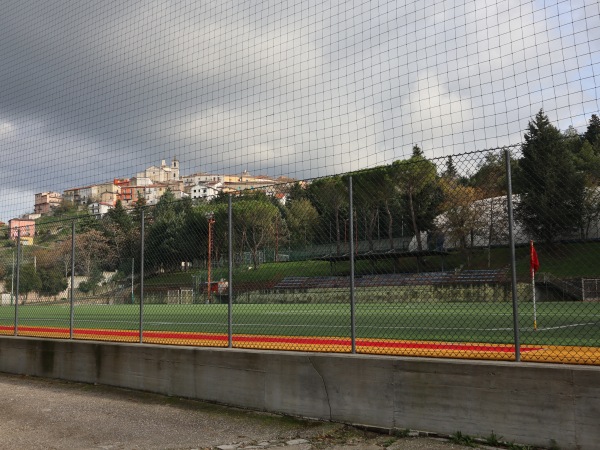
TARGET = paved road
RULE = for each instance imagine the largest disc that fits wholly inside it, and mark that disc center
(50, 414)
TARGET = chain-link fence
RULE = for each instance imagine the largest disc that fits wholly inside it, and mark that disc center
(485, 255)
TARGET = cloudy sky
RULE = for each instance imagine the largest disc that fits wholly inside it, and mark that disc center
(95, 90)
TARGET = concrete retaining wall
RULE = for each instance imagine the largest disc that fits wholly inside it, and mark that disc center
(525, 403)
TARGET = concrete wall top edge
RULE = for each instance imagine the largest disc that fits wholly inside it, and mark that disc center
(406, 363)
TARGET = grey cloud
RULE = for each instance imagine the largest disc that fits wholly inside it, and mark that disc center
(91, 90)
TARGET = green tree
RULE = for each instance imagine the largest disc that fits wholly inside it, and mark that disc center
(194, 234)
(374, 194)
(87, 222)
(463, 214)
(254, 223)
(588, 156)
(64, 208)
(587, 162)
(450, 171)
(92, 250)
(297, 191)
(164, 241)
(490, 176)
(330, 198)
(301, 218)
(29, 280)
(53, 281)
(119, 216)
(592, 133)
(572, 141)
(551, 189)
(122, 236)
(390, 204)
(91, 284)
(417, 183)
(139, 206)
(490, 179)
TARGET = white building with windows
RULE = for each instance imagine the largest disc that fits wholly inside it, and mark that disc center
(201, 178)
(152, 192)
(205, 190)
(163, 173)
(104, 193)
(99, 209)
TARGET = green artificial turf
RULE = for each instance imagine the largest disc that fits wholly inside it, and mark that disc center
(559, 323)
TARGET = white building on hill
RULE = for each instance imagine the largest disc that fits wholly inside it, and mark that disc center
(162, 173)
(205, 190)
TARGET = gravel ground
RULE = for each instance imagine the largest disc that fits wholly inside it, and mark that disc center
(51, 414)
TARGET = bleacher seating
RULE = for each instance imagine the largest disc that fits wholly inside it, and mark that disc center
(465, 277)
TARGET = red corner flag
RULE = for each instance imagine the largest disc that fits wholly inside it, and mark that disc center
(534, 263)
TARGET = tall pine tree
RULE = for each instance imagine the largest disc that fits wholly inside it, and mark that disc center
(592, 134)
(551, 189)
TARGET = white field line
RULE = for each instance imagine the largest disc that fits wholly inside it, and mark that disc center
(326, 311)
(238, 324)
(572, 325)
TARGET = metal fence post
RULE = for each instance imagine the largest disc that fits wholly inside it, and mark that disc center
(142, 281)
(132, 280)
(72, 303)
(513, 262)
(17, 282)
(351, 256)
(230, 275)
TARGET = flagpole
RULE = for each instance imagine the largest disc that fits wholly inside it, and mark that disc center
(532, 270)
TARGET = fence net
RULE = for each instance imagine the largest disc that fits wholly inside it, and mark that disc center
(126, 89)
(412, 258)
(365, 214)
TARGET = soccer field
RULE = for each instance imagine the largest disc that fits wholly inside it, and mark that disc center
(558, 323)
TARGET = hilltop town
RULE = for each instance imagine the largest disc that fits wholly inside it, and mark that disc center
(149, 185)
